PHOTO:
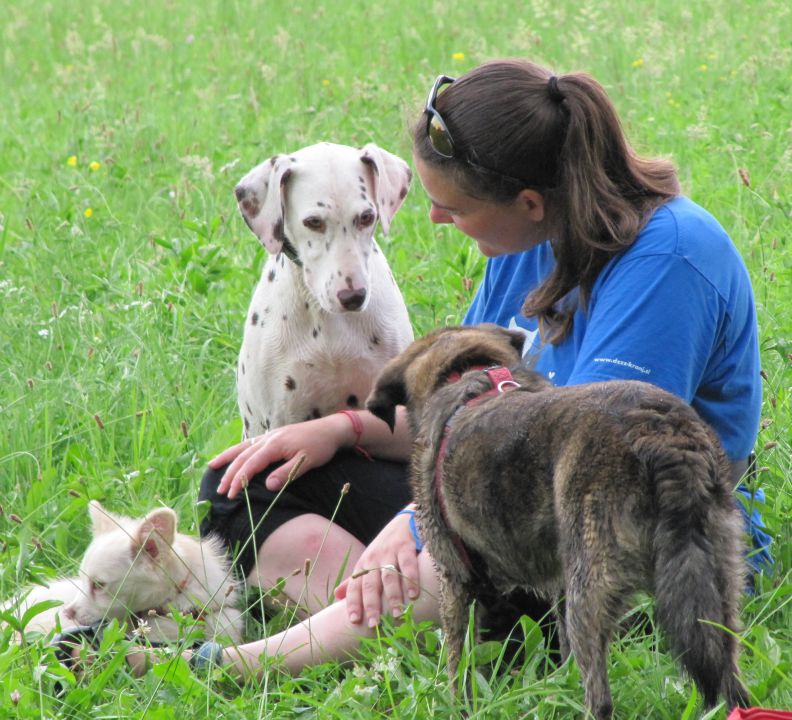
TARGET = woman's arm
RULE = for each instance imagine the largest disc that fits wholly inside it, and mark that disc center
(317, 441)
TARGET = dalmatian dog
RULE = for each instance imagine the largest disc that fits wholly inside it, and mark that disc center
(327, 314)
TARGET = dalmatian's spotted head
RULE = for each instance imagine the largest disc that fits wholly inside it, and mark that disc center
(319, 207)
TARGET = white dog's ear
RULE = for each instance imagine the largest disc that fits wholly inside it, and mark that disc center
(391, 177)
(156, 531)
(260, 195)
(102, 520)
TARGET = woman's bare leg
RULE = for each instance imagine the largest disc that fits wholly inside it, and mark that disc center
(325, 636)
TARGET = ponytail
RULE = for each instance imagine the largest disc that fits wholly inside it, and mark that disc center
(604, 195)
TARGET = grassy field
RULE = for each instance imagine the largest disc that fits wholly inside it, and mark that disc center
(125, 273)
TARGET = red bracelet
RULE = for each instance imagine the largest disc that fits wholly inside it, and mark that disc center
(357, 426)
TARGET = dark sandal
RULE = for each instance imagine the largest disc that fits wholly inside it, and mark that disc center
(65, 642)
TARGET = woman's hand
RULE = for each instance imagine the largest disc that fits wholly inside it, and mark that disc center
(314, 440)
(387, 570)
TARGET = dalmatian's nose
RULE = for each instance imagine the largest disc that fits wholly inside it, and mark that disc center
(352, 299)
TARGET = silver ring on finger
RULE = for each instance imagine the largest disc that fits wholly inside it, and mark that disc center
(390, 567)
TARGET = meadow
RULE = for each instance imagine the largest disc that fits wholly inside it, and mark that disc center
(126, 270)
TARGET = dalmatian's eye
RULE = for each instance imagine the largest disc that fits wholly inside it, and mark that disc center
(97, 586)
(315, 223)
(366, 218)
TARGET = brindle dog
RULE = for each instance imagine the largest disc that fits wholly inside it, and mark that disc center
(588, 493)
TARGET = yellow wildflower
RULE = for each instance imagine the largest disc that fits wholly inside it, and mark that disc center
(325, 82)
(72, 161)
(638, 63)
(95, 165)
(703, 67)
(458, 56)
(88, 212)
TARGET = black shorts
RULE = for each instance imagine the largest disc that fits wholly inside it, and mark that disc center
(377, 491)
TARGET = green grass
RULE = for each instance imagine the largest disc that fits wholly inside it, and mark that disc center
(123, 288)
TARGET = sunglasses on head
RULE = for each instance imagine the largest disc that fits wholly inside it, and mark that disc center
(440, 138)
(436, 129)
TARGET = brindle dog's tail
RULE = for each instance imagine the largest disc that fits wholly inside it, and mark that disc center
(699, 569)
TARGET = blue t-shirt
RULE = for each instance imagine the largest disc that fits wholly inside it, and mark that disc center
(675, 309)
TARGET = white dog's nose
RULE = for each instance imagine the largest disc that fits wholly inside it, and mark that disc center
(351, 299)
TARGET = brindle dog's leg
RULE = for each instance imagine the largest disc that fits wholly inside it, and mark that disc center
(596, 597)
(454, 604)
(589, 628)
(563, 639)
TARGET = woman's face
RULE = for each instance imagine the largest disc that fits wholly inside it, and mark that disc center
(497, 228)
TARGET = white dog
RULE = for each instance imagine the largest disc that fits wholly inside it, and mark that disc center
(138, 570)
(327, 313)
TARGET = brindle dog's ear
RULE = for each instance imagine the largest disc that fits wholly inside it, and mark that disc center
(517, 339)
(389, 391)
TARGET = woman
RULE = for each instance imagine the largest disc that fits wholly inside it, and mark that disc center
(592, 251)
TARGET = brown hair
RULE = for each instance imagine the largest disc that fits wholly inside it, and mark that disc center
(522, 127)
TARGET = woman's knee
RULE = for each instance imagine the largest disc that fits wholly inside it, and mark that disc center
(307, 537)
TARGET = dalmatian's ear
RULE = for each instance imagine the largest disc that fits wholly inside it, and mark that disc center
(391, 177)
(261, 198)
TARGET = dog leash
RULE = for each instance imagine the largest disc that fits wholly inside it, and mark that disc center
(501, 380)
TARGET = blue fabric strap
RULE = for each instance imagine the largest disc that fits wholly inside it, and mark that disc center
(206, 657)
(749, 502)
(413, 529)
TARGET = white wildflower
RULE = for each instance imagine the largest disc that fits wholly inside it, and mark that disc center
(142, 629)
(202, 165)
(281, 39)
(229, 166)
(697, 132)
(74, 43)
